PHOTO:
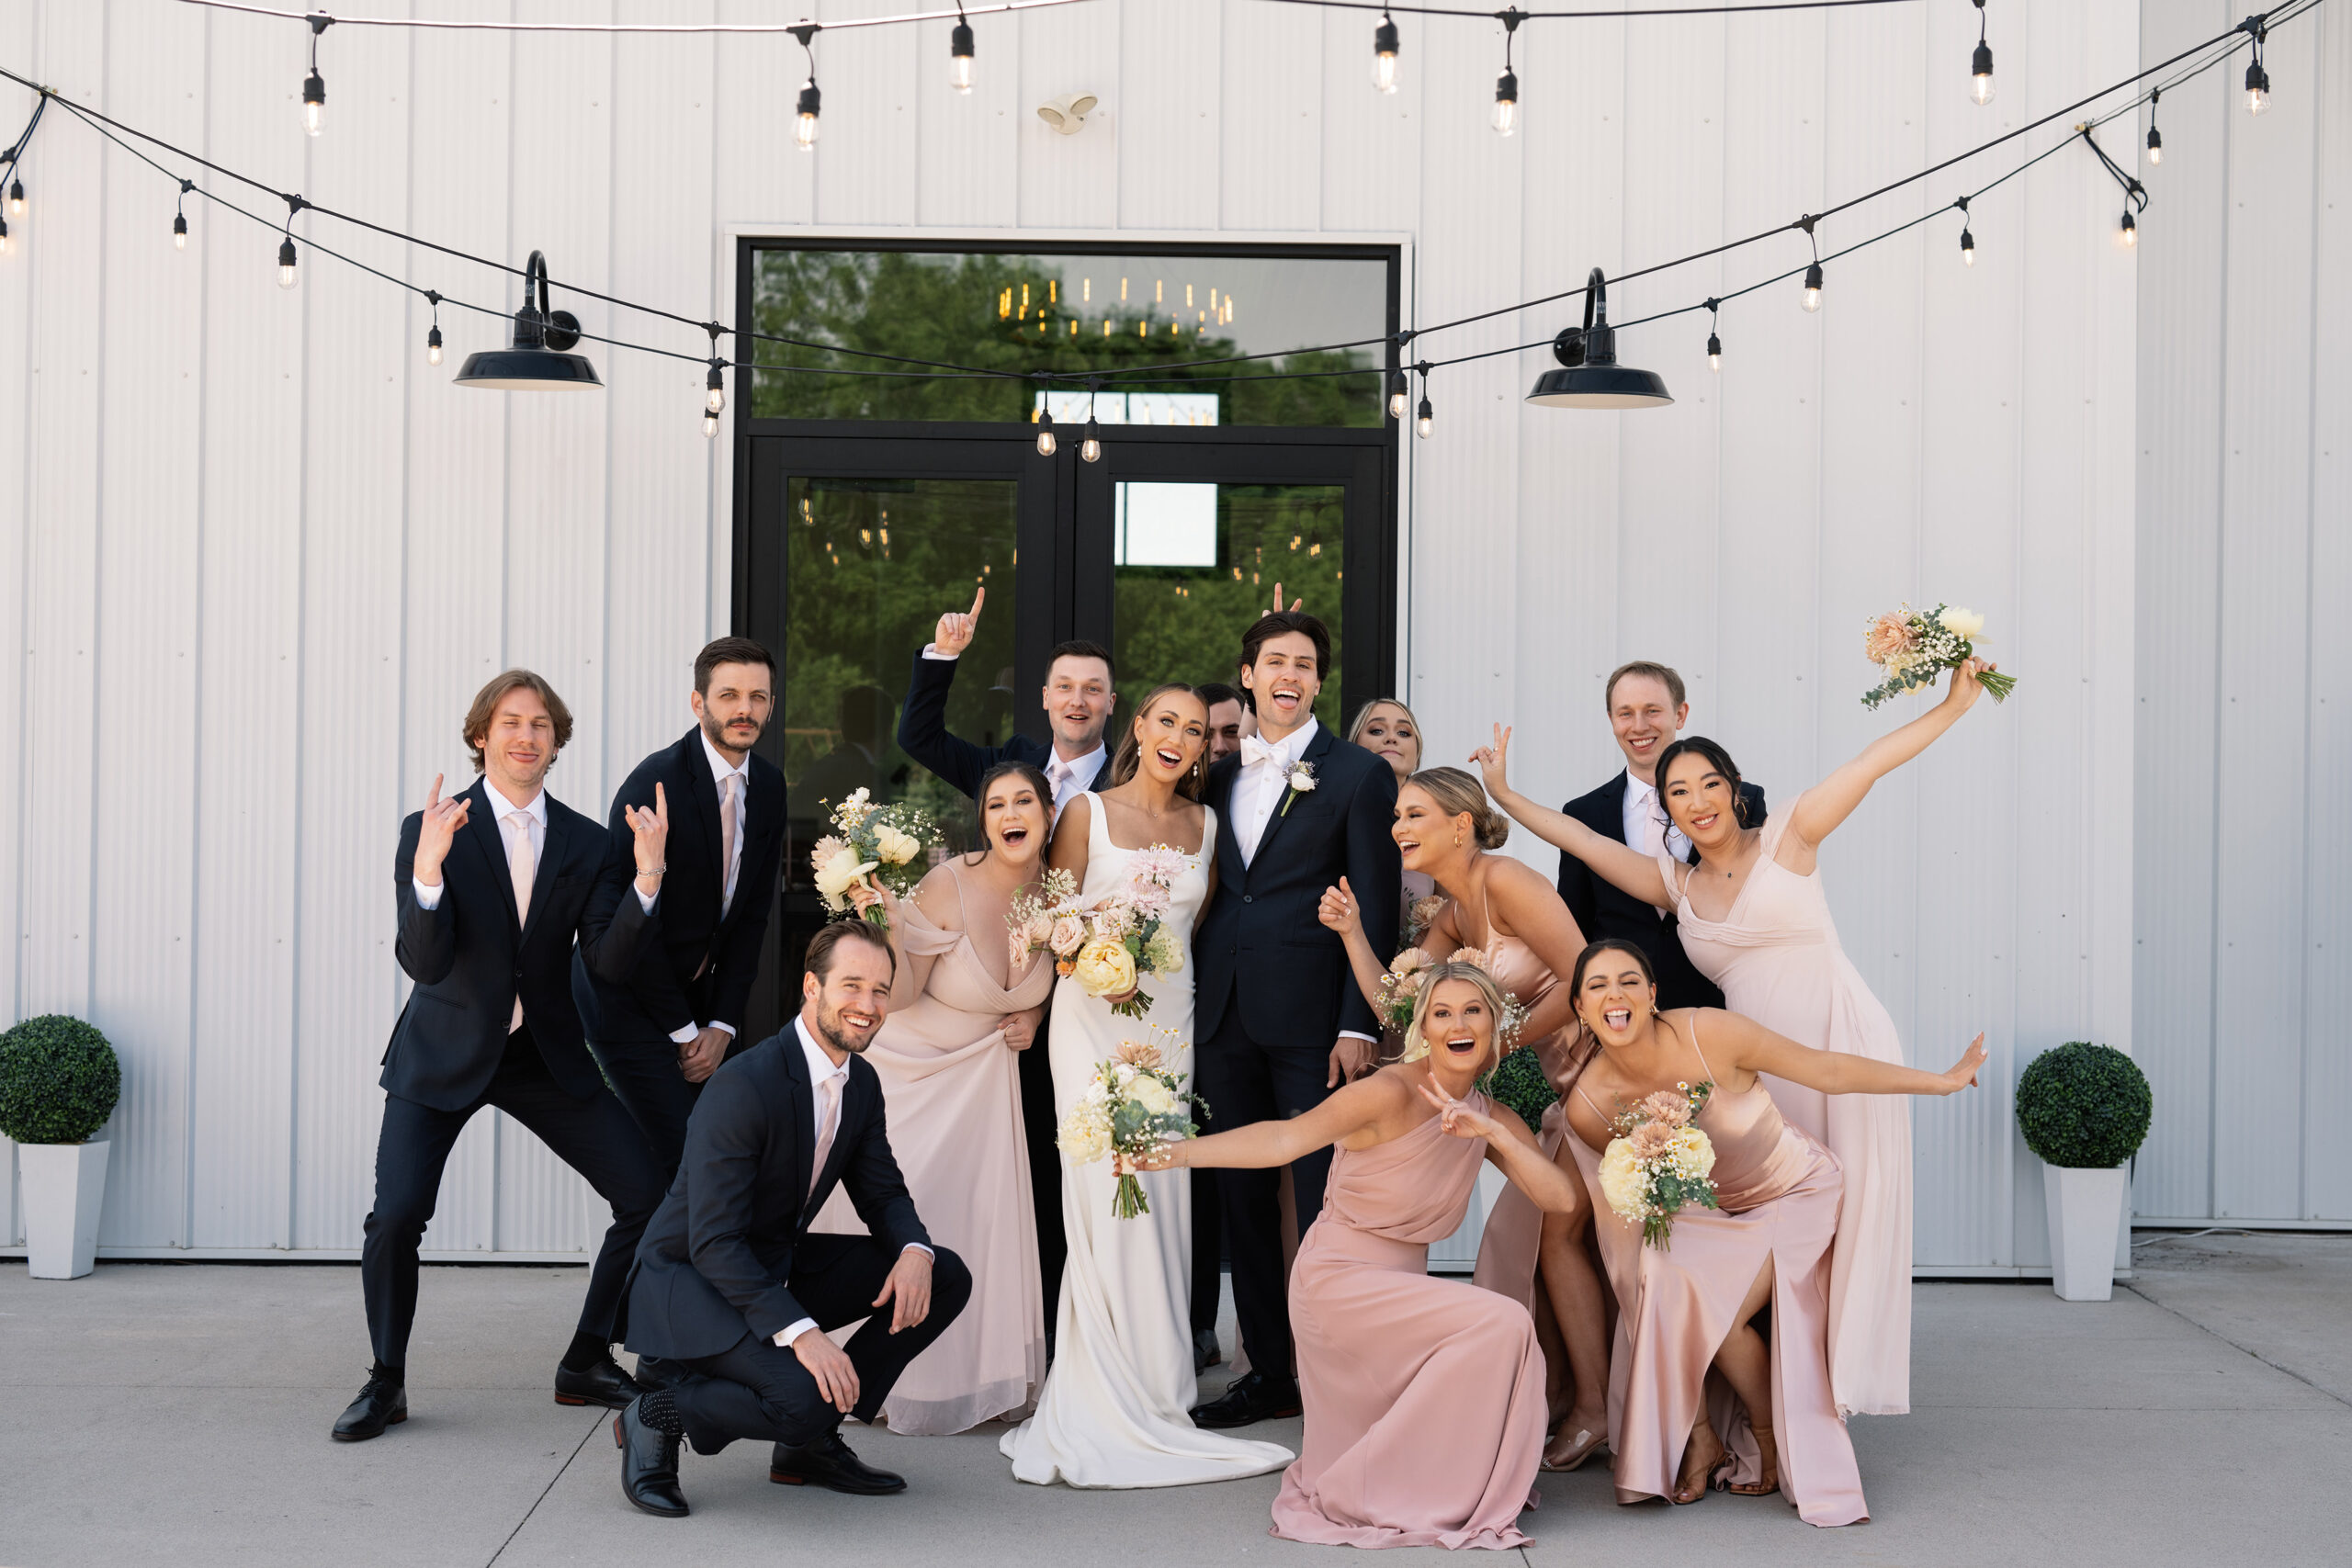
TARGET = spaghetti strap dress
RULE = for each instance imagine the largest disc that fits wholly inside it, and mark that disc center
(1776, 956)
(1779, 1189)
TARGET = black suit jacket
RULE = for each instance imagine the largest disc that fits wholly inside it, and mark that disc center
(922, 734)
(1261, 947)
(716, 1260)
(471, 957)
(1602, 908)
(660, 993)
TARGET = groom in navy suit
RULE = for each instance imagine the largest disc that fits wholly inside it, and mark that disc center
(1278, 1020)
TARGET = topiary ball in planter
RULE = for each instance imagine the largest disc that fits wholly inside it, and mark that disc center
(59, 1080)
(2084, 1107)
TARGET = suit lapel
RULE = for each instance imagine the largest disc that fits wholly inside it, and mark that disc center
(1316, 750)
(481, 822)
(802, 1097)
(1614, 826)
(543, 875)
(703, 788)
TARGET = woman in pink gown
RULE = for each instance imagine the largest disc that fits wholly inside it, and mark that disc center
(1755, 920)
(951, 1083)
(1771, 1240)
(1424, 1397)
(1525, 937)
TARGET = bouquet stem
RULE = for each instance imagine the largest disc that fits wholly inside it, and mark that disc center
(1996, 685)
(1128, 1202)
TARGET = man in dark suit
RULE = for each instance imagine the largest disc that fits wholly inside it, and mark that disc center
(732, 1288)
(662, 1030)
(1646, 709)
(493, 887)
(1077, 698)
(1277, 1017)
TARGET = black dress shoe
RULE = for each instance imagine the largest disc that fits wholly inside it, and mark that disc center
(380, 1404)
(603, 1383)
(1253, 1398)
(648, 1466)
(1205, 1353)
(828, 1462)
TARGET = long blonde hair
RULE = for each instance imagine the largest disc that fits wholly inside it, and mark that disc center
(1417, 1044)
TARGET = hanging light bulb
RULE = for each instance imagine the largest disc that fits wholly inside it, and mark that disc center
(285, 275)
(314, 86)
(2127, 235)
(804, 131)
(1967, 248)
(1813, 286)
(1091, 447)
(3, 236)
(959, 55)
(179, 232)
(1045, 435)
(2257, 87)
(1384, 55)
(2155, 137)
(1400, 403)
(1505, 118)
(16, 198)
(1714, 353)
(1980, 64)
(714, 398)
(1424, 417)
(709, 423)
(433, 337)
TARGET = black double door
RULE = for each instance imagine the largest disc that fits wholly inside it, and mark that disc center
(850, 540)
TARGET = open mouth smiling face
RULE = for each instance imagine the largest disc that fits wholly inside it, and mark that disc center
(1616, 996)
(1458, 1026)
(1015, 818)
(1171, 734)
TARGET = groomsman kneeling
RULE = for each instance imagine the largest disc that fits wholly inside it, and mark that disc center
(493, 884)
(730, 1284)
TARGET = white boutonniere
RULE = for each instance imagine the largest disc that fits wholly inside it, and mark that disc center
(1301, 779)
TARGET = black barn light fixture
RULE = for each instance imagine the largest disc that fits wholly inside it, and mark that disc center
(539, 356)
(1589, 376)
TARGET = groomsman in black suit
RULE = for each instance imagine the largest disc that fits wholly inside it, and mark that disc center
(731, 1284)
(1077, 698)
(1277, 1017)
(1646, 709)
(493, 887)
(662, 1030)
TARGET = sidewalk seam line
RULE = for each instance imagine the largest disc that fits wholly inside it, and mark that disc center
(2244, 1350)
(593, 1427)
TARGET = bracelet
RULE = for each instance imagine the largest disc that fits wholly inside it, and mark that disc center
(656, 871)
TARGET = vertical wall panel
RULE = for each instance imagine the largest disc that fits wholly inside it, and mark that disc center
(867, 168)
(149, 551)
(1372, 145)
(17, 392)
(1070, 181)
(1272, 99)
(969, 173)
(1168, 60)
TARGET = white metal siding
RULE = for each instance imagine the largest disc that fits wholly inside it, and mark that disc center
(260, 556)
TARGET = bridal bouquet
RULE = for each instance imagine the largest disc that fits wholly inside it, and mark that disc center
(891, 843)
(1109, 943)
(1400, 993)
(1133, 1105)
(1913, 647)
(1658, 1162)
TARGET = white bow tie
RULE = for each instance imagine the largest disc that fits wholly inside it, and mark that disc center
(1255, 749)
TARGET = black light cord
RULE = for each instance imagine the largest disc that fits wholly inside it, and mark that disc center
(656, 27)
(1590, 16)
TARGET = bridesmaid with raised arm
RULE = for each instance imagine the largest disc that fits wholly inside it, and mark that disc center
(1755, 920)
(1424, 1397)
(1772, 1240)
(949, 1060)
(1444, 829)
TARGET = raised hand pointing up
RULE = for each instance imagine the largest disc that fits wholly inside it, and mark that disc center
(954, 631)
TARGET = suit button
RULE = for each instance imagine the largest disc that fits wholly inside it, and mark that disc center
(1247, 899)
(518, 972)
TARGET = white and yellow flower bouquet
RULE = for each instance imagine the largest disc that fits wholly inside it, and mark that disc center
(1913, 647)
(1134, 1105)
(895, 845)
(1660, 1162)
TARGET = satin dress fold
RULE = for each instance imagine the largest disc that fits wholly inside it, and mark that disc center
(951, 1089)
(1776, 956)
(1513, 1235)
(1779, 1193)
(1424, 1397)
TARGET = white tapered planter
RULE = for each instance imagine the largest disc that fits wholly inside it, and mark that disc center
(2085, 1208)
(64, 1187)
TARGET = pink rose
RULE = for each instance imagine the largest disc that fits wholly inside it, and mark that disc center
(1069, 934)
(1041, 930)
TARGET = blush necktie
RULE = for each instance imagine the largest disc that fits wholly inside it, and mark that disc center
(828, 1115)
(728, 787)
(521, 865)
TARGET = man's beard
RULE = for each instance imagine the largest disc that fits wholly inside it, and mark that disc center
(716, 733)
(829, 1026)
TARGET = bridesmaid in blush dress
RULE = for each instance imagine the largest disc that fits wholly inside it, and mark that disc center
(1690, 1303)
(1755, 920)
(951, 1085)
(1424, 1397)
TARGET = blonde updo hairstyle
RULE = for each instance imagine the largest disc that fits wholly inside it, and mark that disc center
(1456, 794)
(1417, 1044)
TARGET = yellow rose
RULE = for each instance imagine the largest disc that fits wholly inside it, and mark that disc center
(1104, 968)
(1154, 1096)
(835, 876)
(896, 848)
(1964, 623)
(1693, 1154)
(1620, 1179)
(1085, 1135)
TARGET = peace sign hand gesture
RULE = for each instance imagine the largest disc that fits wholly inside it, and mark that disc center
(1457, 1119)
(955, 632)
(1492, 761)
(1296, 603)
(438, 831)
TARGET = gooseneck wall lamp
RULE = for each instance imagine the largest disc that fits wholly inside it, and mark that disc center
(539, 356)
(1589, 376)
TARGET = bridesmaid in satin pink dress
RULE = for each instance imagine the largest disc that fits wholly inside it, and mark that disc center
(1424, 1395)
(1755, 920)
(1771, 1240)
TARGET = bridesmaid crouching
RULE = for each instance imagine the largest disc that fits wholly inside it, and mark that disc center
(950, 1081)
(1771, 1242)
(1424, 1397)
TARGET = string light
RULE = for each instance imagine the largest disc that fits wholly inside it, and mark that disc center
(2155, 137)
(4, 241)
(1967, 239)
(960, 55)
(1091, 447)
(2127, 235)
(286, 276)
(714, 398)
(1424, 417)
(1399, 399)
(1045, 432)
(804, 130)
(314, 86)
(1384, 55)
(1714, 343)
(16, 198)
(180, 218)
(2258, 80)
(433, 337)
(1980, 64)
(1505, 117)
(1813, 273)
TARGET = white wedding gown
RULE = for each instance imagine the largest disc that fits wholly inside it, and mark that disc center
(1113, 1410)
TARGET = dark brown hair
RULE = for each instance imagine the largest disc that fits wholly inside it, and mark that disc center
(1664, 674)
(1280, 623)
(1211, 693)
(1611, 944)
(1128, 757)
(730, 650)
(819, 960)
(1030, 775)
(486, 703)
(1716, 757)
(1080, 647)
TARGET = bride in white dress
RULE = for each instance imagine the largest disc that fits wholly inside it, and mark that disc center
(1113, 1410)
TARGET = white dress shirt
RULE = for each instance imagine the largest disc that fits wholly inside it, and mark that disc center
(1071, 780)
(822, 1067)
(1259, 789)
(429, 898)
(1645, 816)
(684, 1034)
